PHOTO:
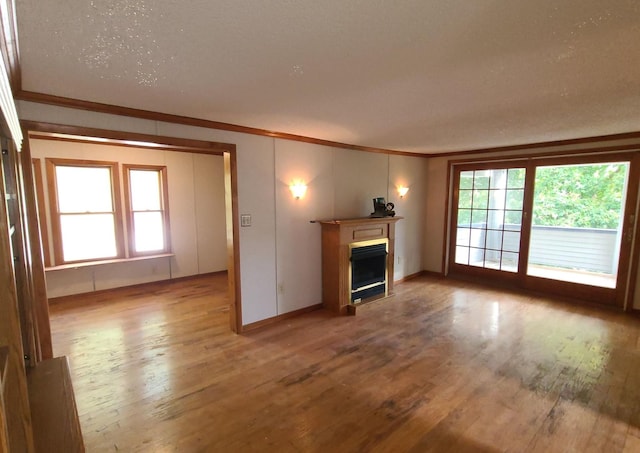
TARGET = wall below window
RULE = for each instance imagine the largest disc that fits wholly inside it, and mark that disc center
(196, 208)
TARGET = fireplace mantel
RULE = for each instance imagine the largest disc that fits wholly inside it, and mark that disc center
(337, 236)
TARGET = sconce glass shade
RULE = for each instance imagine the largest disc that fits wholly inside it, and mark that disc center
(402, 191)
(298, 189)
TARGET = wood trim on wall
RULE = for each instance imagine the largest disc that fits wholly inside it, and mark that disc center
(233, 235)
(42, 219)
(551, 144)
(274, 319)
(635, 252)
(16, 401)
(60, 101)
(39, 304)
(409, 277)
(51, 131)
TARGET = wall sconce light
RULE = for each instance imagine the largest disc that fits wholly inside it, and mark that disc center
(298, 189)
(402, 191)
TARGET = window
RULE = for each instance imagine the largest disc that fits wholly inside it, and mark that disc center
(84, 208)
(86, 211)
(147, 213)
(489, 218)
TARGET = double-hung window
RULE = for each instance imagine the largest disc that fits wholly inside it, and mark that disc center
(147, 212)
(84, 204)
(87, 212)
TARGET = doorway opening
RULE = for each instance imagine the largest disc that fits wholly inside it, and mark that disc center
(172, 145)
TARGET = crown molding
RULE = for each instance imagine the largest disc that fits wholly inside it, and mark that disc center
(60, 101)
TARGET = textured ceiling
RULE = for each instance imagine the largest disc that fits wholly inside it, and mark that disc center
(421, 76)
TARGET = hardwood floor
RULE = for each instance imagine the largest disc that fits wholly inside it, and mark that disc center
(442, 366)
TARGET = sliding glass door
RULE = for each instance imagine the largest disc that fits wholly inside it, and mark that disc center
(489, 216)
(555, 224)
(576, 230)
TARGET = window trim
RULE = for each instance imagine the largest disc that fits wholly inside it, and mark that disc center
(42, 217)
(54, 210)
(164, 200)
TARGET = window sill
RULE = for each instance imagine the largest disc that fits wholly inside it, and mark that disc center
(62, 267)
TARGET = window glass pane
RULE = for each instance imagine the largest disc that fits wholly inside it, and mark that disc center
(88, 236)
(464, 217)
(84, 189)
(481, 179)
(499, 179)
(145, 190)
(512, 220)
(495, 219)
(479, 218)
(476, 257)
(511, 241)
(477, 237)
(462, 255)
(509, 262)
(514, 199)
(466, 180)
(480, 199)
(148, 231)
(494, 240)
(496, 199)
(515, 180)
(492, 259)
(464, 199)
(462, 236)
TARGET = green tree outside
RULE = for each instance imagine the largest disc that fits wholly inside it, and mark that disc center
(586, 196)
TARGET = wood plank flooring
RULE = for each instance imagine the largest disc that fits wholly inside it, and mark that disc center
(443, 366)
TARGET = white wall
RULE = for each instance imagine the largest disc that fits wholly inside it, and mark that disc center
(196, 208)
(280, 255)
(410, 232)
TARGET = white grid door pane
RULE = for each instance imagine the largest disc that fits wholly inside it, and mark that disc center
(489, 212)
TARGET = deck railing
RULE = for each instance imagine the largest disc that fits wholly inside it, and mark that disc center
(589, 249)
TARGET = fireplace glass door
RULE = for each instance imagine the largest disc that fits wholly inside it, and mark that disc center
(368, 274)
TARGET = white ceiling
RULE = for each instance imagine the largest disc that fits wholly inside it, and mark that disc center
(422, 76)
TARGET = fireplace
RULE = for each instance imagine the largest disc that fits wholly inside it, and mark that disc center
(354, 272)
(368, 263)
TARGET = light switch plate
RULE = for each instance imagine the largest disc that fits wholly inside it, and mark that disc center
(245, 220)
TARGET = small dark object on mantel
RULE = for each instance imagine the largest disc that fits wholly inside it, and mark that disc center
(382, 209)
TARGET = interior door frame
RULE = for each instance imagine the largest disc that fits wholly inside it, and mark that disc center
(620, 297)
(118, 138)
